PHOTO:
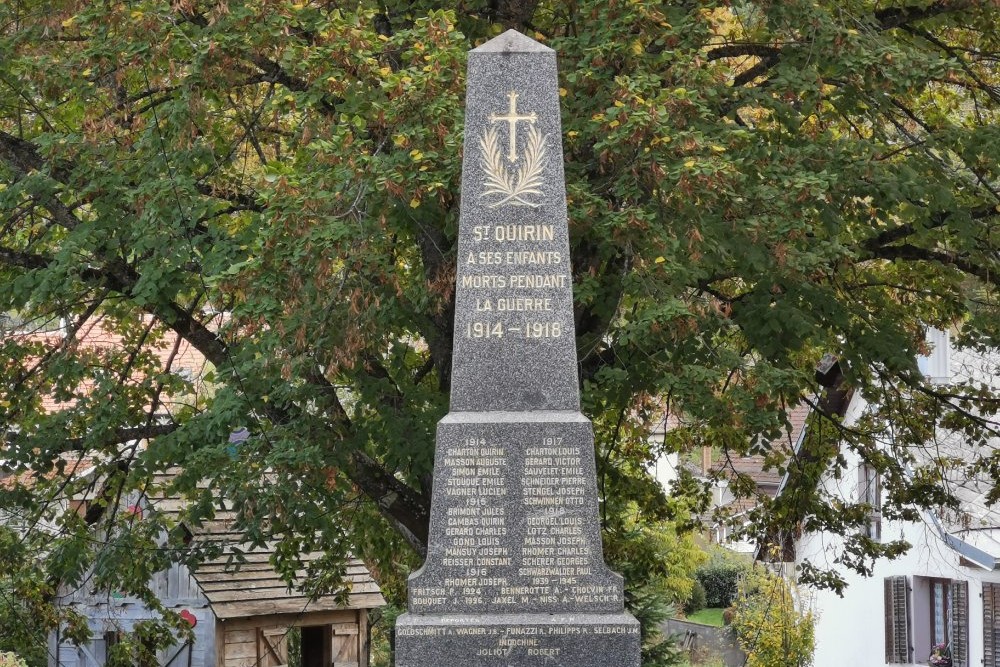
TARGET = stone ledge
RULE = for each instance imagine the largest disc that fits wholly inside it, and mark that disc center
(517, 640)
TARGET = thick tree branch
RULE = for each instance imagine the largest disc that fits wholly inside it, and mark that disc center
(990, 91)
(408, 510)
(885, 19)
(960, 262)
(405, 507)
(742, 50)
(123, 280)
(23, 158)
(936, 221)
(895, 17)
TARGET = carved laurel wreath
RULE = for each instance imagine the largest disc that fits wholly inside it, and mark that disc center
(527, 180)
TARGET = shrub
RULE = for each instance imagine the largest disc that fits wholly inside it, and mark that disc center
(720, 578)
(771, 624)
(11, 660)
(697, 600)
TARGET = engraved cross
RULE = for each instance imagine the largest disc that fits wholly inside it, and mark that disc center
(512, 119)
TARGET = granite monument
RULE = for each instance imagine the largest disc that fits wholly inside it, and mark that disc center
(515, 572)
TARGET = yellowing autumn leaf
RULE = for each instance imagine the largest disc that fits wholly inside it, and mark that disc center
(414, 202)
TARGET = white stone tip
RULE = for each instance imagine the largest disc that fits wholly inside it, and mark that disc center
(512, 42)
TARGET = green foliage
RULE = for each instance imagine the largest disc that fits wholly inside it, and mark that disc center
(658, 564)
(276, 185)
(24, 616)
(140, 646)
(383, 623)
(698, 599)
(646, 533)
(12, 660)
(772, 623)
(720, 577)
(21, 634)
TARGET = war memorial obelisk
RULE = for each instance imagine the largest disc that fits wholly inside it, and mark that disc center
(515, 572)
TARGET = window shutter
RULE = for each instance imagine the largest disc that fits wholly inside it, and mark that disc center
(959, 638)
(991, 624)
(897, 621)
(870, 492)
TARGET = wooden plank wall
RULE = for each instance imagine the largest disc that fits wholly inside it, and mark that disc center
(175, 587)
(107, 618)
(240, 642)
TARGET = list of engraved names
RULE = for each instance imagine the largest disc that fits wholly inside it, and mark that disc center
(489, 560)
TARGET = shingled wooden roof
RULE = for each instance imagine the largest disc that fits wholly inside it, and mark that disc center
(242, 581)
(254, 588)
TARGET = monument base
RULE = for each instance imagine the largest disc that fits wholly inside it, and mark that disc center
(517, 640)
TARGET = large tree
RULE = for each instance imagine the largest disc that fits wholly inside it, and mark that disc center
(751, 185)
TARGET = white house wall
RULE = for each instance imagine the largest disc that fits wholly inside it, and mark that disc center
(851, 630)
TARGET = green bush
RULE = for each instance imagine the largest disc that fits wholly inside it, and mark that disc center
(720, 578)
(22, 635)
(771, 622)
(697, 600)
(11, 660)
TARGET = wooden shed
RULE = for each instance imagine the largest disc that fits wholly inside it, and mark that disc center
(242, 613)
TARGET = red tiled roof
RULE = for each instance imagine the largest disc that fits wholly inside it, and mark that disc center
(75, 466)
(755, 466)
(174, 354)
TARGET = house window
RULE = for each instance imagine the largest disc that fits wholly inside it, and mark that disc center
(935, 364)
(940, 616)
(80, 507)
(940, 610)
(870, 493)
(111, 639)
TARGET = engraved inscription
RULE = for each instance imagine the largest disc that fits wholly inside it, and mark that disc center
(496, 646)
(532, 279)
(514, 533)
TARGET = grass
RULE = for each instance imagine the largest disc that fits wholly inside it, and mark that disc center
(708, 616)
